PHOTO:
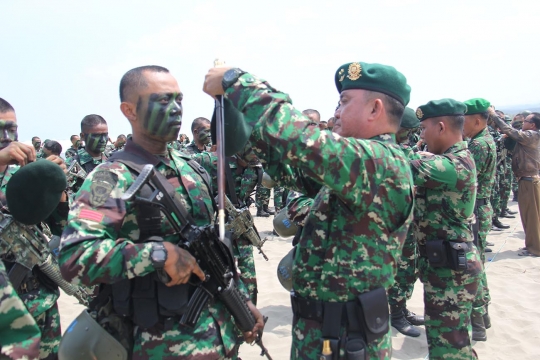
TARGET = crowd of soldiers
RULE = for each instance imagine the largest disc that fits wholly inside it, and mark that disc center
(381, 195)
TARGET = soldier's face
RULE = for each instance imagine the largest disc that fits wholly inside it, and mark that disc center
(203, 134)
(76, 141)
(96, 138)
(37, 144)
(469, 126)
(159, 107)
(352, 114)
(431, 130)
(8, 129)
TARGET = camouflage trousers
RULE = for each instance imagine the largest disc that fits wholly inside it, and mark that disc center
(505, 185)
(448, 299)
(262, 197)
(248, 183)
(278, 198)
(51, 333)
(484, 215)
(407, 274)
(495, 199)
(307, 344)
(243, 252)
(514, 183)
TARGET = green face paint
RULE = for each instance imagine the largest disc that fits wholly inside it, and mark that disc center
(8, 133)
(163, 115)
(96, 143)
(204, 136)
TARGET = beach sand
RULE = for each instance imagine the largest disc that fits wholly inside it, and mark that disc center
(514, 282)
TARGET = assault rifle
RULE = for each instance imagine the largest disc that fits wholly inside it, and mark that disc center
(27, 246)
(213, 255)
(241, 223)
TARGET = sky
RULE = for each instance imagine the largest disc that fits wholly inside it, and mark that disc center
(61, 60)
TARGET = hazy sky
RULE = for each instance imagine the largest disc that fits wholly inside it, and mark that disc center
(62, 60)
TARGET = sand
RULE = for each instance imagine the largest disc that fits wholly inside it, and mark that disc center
(514, 282)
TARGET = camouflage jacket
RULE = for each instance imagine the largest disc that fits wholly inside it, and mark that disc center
(18, 330)
(482, 148)
(70, 152)
(191, 149)
(298, 207)
(445, 194)
(85, 160)
(100, 244)
(355, 230)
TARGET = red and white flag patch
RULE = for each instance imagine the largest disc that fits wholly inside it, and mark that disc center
(91, 215)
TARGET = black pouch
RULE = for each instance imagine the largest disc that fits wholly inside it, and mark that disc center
(145, 307)
(373, 314)
(437, 253)
(457, 255)
(121, 295)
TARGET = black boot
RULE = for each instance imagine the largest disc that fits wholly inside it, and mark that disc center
(506, 214)
(499, 224)
(262, 213)
(414, 319)
(400, 323)
(487, 319)
(515, 196)
(268, 211)
(510, 211)
(478, 327)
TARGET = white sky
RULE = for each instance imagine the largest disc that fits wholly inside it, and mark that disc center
(62, 60)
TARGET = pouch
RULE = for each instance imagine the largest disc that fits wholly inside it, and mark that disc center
(437, 253)
(374, 314)
(457, 255)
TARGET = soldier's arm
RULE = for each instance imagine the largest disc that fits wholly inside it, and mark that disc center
(528, 137)
(19, 333)
(93, 250)
(282, 135)
(298, 207)
(432, 171)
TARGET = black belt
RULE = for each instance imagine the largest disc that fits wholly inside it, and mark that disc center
(481, 202)
(308, 308)
(528, 178)
(423, 252)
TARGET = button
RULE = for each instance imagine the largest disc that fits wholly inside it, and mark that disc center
(250, 79)
(145, 253)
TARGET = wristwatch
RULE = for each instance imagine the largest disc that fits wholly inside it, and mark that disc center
(158, 255)
(230, 77)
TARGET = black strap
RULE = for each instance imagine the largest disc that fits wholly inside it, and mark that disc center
(230, 183)
(17, 274)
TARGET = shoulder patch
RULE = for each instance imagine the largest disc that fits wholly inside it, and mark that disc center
(103, 183)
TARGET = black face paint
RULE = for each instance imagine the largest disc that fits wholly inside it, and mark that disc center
(96, 143)
(37, 145)
(8, 133)
(204, 136)
(163, 115)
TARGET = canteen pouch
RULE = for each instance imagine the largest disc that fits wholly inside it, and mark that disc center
(457, 255)
(373, 314)
(436, 253)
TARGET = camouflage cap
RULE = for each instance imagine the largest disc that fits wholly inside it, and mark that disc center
(442, 107)
(476, 106)
(375, 77)
(409, 119)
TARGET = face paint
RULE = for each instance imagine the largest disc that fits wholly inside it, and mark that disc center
(8, 133)
(96, 143)
(37, 145)
(163, 115)
(204, 136)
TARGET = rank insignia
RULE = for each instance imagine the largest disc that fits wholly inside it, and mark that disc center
(341, 75)
(419, 114)
(355, 70)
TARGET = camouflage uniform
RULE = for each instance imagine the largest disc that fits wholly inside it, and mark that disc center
(71, 152)
(100, 246)
(445, 197)
(87, 162)
(354, 232)
(18, 330)
(262, 197)
(40, 300)
(191, 149)
(278, 198)
(516, 125)
(482, 148)
(243, 249)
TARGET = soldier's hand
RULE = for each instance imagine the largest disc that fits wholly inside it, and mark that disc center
(180, 264)
(58, 161)
(250, 336)
(17, 153)
(212, 81)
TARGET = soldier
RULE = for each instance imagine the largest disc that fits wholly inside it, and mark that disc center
(353, 235)
(482, 148)
(75, 146)
(181, 143)
(404, 320)
(95, 132)
(51, 147)
(495, 200)
(106, 243)
(38, 295)
(313, 115)
(331, 123)
(449, 263)
(36, 143)
(517, 123)
(200, 128)
(116, 146)
(262, 200)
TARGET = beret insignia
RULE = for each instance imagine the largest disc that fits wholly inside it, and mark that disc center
(341, 75)
(355, 70)
(419, 114)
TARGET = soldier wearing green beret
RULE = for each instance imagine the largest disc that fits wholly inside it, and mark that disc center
(445, 197)
(403, 319)
(36, 291)
(347, 253)
(482, 148)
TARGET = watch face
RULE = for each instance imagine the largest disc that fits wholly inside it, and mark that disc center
(159, 255)
(229, 75)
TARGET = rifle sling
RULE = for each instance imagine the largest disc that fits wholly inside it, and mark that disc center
(17, 274)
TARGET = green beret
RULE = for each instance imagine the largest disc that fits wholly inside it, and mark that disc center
(375, 77)
(34, 191)
(237, 131)
(507, 119)
(409, 119)
(443, 107)
(477, 106)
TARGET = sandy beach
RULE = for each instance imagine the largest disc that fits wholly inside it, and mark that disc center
(514, 282)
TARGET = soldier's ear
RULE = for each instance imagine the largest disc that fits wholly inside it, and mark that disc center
(129, 111)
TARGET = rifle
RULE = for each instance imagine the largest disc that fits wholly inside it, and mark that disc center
(213, 255)
(27, 246)
(241, 223)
